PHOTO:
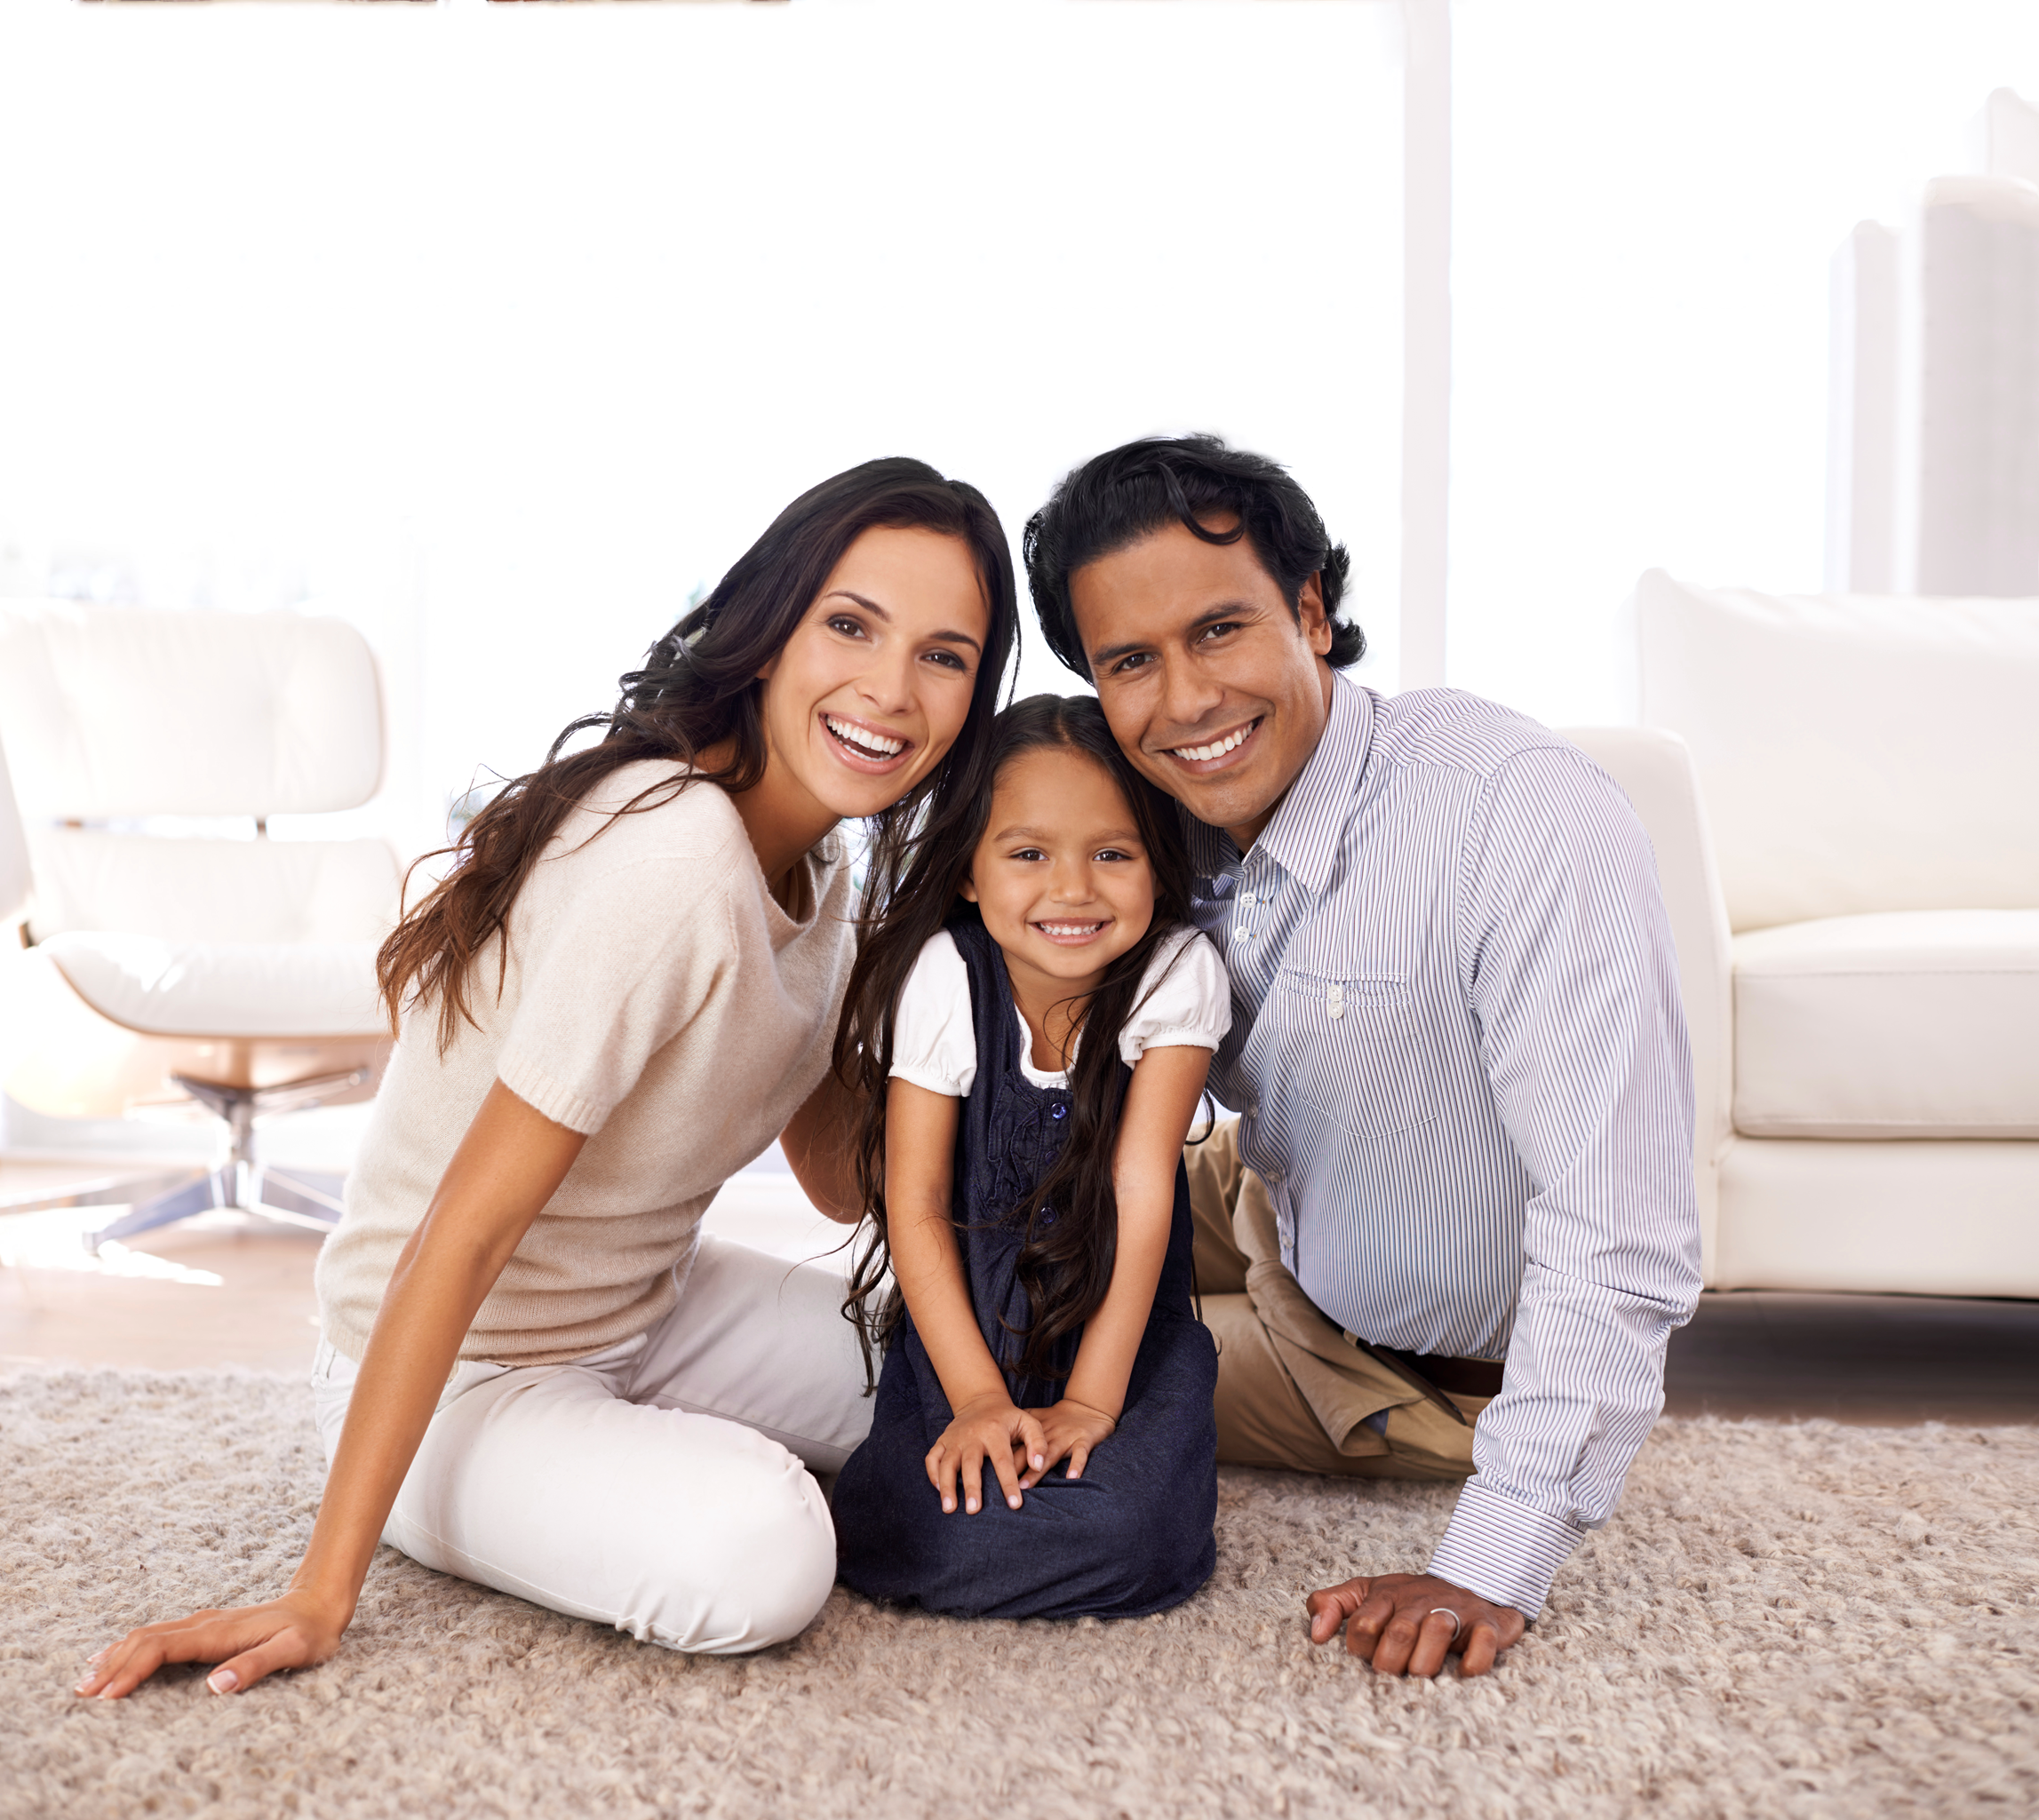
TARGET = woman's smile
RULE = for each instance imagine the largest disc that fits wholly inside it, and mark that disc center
(865, 747)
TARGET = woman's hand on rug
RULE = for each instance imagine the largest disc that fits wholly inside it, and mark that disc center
(1070, 1430)
(988, 1427)
(1402, 1624)
(296, 1631)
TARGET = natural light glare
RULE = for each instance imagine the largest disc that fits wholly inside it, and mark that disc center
(502, 329)
(1647, 194)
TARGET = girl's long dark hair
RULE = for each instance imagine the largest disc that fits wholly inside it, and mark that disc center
(699, 688)
(1065, 1262)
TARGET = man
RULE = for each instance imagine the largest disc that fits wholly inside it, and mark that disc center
(1457, 1046)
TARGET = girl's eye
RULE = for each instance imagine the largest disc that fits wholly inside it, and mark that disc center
(1029, 853)
(1113, 852)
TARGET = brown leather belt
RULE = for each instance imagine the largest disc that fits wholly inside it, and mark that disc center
(1460, 1377)
(1438, 1375)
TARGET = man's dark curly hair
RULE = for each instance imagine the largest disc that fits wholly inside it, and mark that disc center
(1117, 498)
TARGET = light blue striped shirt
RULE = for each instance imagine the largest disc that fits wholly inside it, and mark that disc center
(1460, 1057)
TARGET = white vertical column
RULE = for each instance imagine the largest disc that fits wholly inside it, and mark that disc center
(1862, 410)
(1967, 439)
(1426, 336)
(2004, 138)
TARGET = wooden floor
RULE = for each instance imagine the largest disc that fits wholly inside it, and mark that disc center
(223, 1290)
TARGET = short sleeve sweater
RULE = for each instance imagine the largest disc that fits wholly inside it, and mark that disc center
(654, 997)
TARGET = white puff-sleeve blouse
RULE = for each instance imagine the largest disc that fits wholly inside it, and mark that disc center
(1187, 1003)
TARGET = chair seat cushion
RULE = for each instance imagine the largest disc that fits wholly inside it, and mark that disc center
(1907, 1024)
(224, 988)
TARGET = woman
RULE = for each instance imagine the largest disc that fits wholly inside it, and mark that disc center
(625, 989)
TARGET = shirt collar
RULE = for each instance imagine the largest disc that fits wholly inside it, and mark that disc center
(1304, 837)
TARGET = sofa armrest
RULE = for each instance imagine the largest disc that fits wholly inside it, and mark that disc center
(1655, 772)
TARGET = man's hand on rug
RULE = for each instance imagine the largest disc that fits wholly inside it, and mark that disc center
(988, 1429)
(1071, 1430)
(1397, 1622)
(296, 1631)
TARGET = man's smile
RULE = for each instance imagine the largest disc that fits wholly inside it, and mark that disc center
(1210, 755)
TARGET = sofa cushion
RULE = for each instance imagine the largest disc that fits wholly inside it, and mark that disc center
(1919, 1024)
(1856, 752)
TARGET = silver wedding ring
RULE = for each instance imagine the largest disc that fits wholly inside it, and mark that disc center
(1448, 1612)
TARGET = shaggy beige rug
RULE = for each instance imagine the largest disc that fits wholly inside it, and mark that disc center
(1793, 1620)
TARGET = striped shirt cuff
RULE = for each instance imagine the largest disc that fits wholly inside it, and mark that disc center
(1505, 1552)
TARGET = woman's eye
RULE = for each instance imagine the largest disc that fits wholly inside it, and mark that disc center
(949, 660)
(842, 623)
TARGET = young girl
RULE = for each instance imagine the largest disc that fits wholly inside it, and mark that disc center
(1032, 1020)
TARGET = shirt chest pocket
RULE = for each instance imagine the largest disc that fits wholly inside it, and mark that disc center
(1349, 1050)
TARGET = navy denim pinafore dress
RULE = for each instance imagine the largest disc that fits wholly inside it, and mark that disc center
(1134, 1533)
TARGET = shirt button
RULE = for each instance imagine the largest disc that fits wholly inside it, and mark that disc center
(1246, 899)
(1059, 1111)
(1337, 1008)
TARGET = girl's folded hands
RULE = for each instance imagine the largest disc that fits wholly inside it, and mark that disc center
(988, 1427)
(1072, 1430)
(1020, 1445)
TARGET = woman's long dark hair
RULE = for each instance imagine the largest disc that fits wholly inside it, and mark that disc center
(1065, 1262)
(699, 688)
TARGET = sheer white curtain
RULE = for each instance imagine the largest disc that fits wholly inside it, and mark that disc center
(503, 329)
(1647, 194)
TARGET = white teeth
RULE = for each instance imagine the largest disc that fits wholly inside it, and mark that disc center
(1217, 750)
(1069, 928)
(865, 741)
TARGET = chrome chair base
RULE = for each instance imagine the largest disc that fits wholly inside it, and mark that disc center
(239, 1182)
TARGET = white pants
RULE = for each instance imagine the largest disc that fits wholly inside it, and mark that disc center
(657, 1486)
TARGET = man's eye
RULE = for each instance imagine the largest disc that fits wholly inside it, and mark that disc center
(1138, 660)
(1212, 631)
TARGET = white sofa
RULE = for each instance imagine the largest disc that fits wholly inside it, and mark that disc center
(1843, 796)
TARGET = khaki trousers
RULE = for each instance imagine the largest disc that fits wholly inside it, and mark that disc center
(1293, 1390)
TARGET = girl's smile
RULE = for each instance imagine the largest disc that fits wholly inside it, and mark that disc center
(1068, 935)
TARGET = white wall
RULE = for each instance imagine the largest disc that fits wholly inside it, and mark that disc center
(502, 328)
(1647, 194)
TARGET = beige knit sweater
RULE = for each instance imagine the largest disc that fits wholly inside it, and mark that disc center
(655, 998)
